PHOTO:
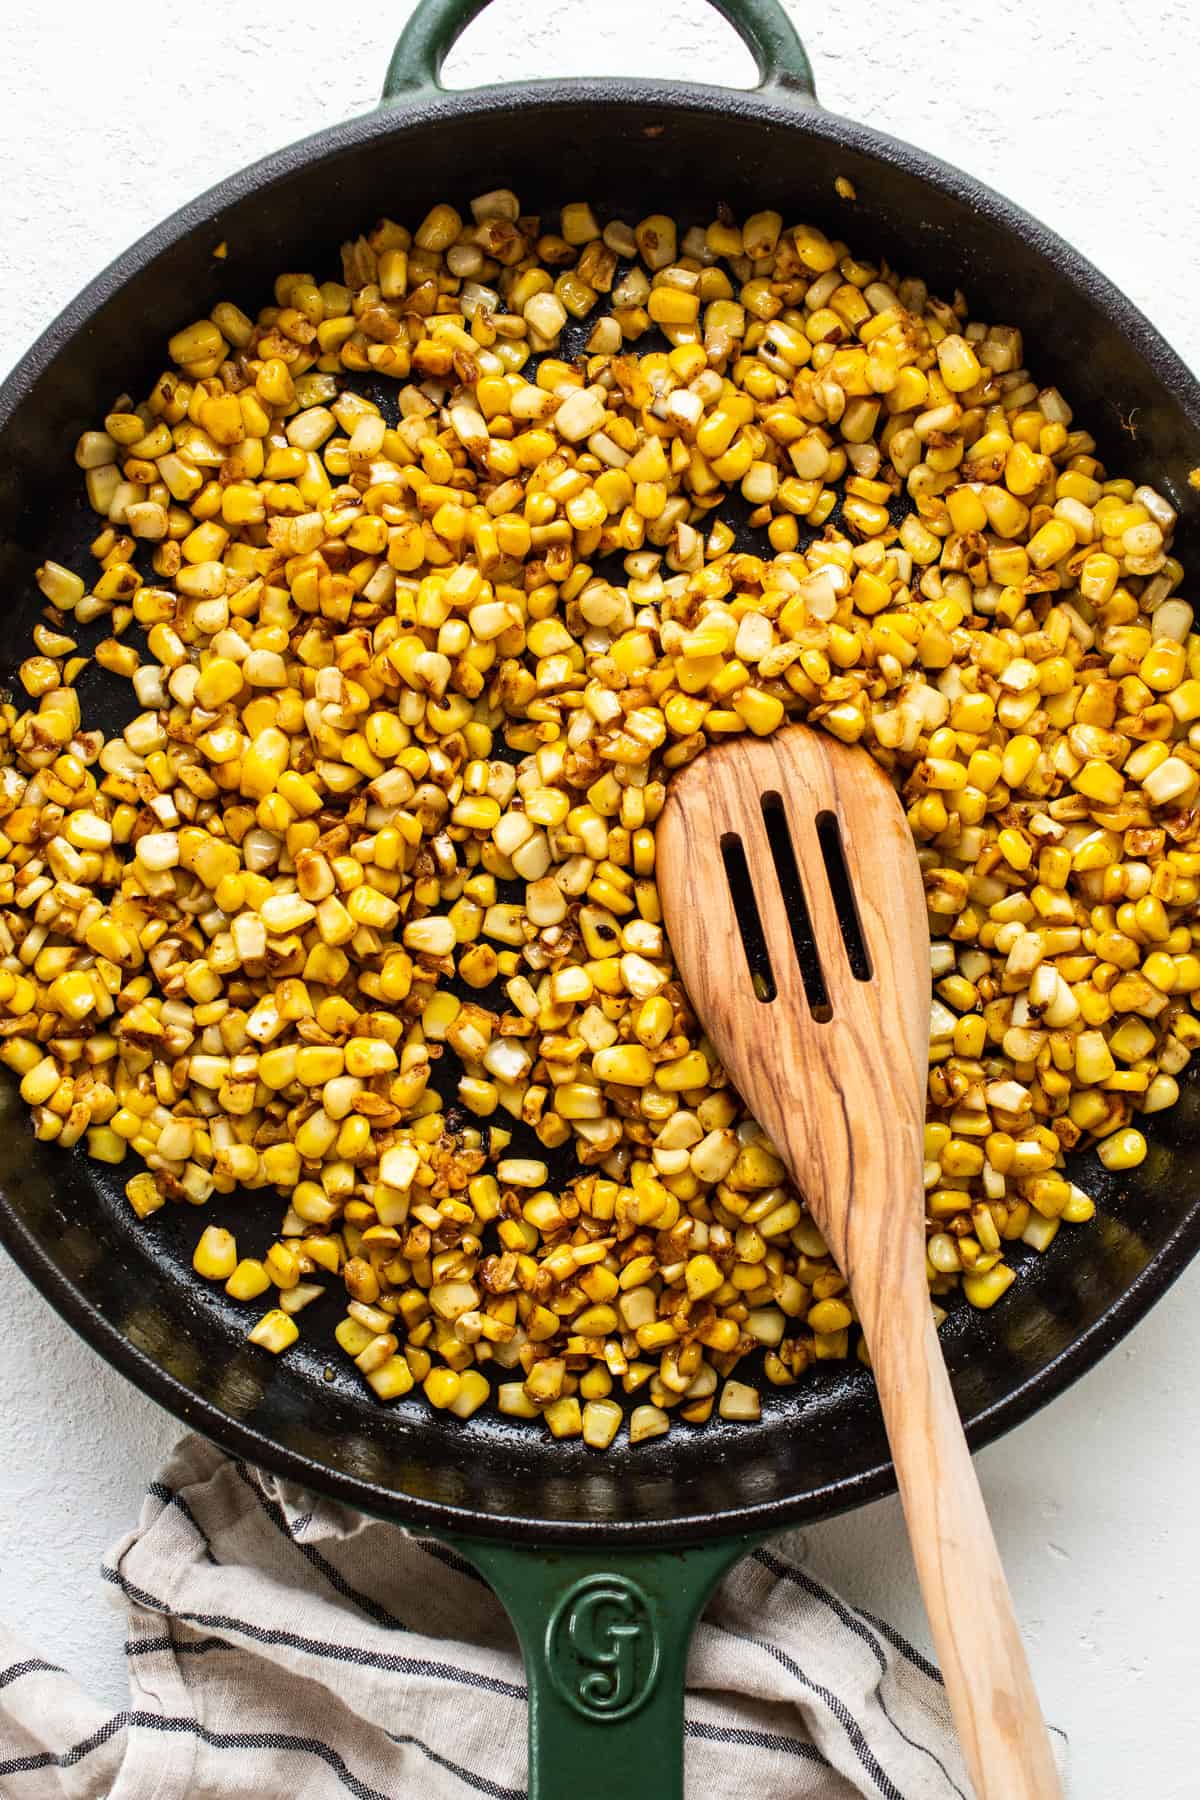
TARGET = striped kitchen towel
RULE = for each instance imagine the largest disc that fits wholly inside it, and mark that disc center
(283, 1647)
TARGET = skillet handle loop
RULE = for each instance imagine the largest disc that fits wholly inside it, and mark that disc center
(436, 25)
(604, 1636)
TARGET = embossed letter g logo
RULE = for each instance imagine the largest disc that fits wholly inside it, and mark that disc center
(602, 1647)
(603, 1627)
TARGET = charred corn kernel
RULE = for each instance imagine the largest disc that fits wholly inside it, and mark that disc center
(144, 1195)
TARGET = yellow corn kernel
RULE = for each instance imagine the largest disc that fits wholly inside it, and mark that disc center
(473, 1390)
(144, 1195)
(275, 1331)
(564, 1417)
(104, 1145)
(600, 1422)
(248, 1280)
(628, 1065)
(392, 1378)
(1123, 1150)
(441, 1387)
(686, 1072)
(983, 1290)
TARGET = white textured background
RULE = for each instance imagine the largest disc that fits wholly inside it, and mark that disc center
(113, 116)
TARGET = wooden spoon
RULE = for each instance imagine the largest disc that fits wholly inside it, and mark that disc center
(797, 916)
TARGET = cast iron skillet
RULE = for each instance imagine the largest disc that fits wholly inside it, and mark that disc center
(631, 1542)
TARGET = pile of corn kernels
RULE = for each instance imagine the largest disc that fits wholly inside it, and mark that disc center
(411, 674)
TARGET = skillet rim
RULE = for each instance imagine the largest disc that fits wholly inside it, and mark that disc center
(778, 107)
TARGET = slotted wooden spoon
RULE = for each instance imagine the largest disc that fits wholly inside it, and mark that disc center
(796, 913)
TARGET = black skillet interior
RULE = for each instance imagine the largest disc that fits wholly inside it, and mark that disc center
(631, 148)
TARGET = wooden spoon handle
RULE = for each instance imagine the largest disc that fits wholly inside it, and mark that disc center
(1000, 1725)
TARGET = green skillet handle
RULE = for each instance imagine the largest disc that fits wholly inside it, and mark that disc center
(436, 25)
(605, 1636)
